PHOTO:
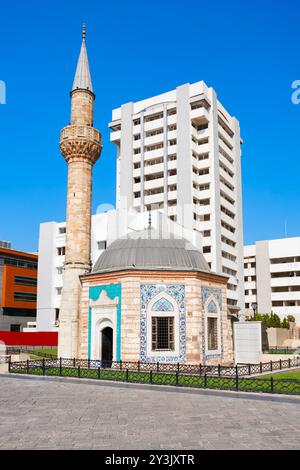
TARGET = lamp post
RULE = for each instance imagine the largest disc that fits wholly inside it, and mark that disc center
(254, 306)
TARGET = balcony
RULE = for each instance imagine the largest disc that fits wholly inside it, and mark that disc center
(284, 267)
(154, 139)
(199, 116)
(80, 132)
(285, 296)
(155, 124)
(115, 136)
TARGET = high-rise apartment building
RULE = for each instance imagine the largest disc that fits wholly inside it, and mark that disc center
(272, 277)
(180, 153)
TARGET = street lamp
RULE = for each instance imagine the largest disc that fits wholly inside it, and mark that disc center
(254, 306)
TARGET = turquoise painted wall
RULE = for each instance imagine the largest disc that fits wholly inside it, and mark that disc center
(113, 291)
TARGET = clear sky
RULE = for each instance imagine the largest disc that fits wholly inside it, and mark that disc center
(247, 50)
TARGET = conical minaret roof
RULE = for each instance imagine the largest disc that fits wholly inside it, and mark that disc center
(82, 78)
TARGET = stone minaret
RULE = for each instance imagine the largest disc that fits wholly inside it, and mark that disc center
(80, 145)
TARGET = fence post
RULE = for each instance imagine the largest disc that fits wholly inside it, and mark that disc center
(200, 369)
(9, 363)
(272, 385)
(219, 370)
(260, 367)
(177, 374)
(178, 366)
(280, 364)
(157, 366)
(74, 362)
(236, 371)
(121, 364)
(289, 362)
(271, 366)
(127, 374)
(249, 369)
(151, 376)
(205, 380)
(89, 363)
(237, 379)
(60, 366)
(139, 366)
(99, 373)
(27, 366)
(43, 365)
(79, 371)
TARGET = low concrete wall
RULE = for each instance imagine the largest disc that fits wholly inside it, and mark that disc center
(275, 357)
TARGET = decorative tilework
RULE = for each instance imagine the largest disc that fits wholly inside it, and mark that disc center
(216, 295)
(163, 305)
(212, 307)
(215, 292)
(147, 293)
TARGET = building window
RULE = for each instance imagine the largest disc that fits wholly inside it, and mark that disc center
(163, 333)
(58, 290)
(212, 333)
(102, 245)
(15, 328)
(61, 251)
(25, 296)
(62, 230)
(59, 270)
(26, 281)
(213, 327)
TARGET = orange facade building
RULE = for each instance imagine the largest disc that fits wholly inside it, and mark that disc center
(18, 289)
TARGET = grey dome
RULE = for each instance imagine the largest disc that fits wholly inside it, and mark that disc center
(145, 250)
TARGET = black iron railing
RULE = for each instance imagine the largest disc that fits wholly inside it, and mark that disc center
(186, 375)
(239, 370)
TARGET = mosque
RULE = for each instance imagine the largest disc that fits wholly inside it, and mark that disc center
(149, 297)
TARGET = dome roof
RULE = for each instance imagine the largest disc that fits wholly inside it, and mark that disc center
(145, 250)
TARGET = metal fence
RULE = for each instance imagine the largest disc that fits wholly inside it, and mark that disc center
(199, 376)
(240, 370)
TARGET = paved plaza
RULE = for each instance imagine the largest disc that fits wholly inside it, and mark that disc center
(41, 413)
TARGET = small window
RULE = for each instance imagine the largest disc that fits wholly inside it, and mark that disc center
(59, 270)
(25, 296)
(61, 251)
(26, 280)
(212, 333)
(102, 245)
(163, 333)
(62, 230)
(58, 290)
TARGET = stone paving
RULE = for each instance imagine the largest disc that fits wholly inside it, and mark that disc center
(41, 413)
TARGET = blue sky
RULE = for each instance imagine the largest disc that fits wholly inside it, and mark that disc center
(248, 51)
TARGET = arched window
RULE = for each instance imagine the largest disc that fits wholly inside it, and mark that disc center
(212, 327)
(163, 323)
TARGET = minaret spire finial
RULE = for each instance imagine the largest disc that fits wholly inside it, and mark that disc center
(82, 78)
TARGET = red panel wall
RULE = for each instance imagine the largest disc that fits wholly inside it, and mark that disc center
(14, 338)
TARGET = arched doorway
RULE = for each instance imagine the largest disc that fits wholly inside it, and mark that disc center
(107, 346)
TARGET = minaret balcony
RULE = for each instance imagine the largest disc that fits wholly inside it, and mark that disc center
(80, 143)
(81, 132)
